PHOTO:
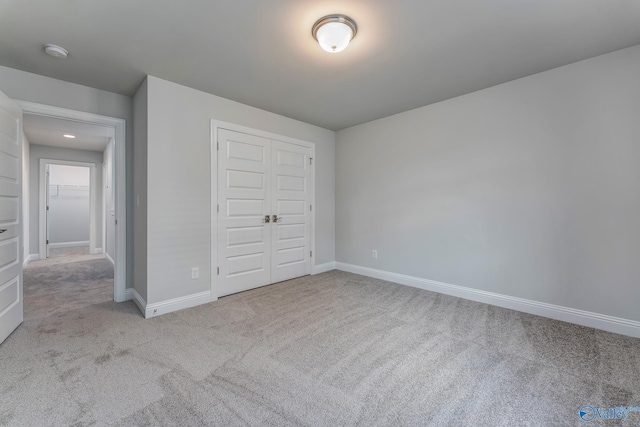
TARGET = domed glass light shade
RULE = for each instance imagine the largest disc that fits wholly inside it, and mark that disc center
(334, 32)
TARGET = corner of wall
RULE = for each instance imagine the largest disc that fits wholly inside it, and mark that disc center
(140, 131)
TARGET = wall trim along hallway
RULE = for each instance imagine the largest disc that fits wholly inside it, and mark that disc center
(111, 260)
(29, 258)
(138, 300)
(565, 314)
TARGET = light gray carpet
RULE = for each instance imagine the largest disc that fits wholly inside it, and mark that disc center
(333, 349)
(65, 283)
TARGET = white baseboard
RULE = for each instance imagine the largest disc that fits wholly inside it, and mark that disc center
(108, 257)
(29, 258)
(67, 244)
(128, 294)
(321, 268)
(566, 314)
(139, 301)
(164, 307)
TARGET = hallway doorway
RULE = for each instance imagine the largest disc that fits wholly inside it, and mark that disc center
(56, 135)
(70, 214)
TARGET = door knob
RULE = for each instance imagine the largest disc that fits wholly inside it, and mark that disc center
(275, 218)
(266, 219)
(2, 230)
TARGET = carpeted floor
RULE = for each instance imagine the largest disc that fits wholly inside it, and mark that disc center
(66, 283)
(333, 349)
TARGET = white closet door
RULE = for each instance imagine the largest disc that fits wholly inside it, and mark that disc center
(291, 197)
(244, 239)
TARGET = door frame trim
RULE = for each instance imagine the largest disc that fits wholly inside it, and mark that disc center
(217, 124)
(42, 203)
(119, 160)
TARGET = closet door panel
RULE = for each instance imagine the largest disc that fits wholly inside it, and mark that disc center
(244, 239)
(291, 234)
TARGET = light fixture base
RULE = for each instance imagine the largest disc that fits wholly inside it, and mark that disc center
(343, 19)
(56, 51)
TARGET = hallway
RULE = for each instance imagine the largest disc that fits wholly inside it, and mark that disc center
(66, 283)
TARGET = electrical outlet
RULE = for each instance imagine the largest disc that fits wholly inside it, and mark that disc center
(195, 273)
(374, 254)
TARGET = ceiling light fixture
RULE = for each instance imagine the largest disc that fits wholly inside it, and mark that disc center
(56, 51)
(334, 32)
(68, 135)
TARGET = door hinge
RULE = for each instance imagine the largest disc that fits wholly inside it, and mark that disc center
(218, 208)
(47, 241)
(310, 160)
(116, 222)
(310, 254)
(218, 271)
(310, 207)
(218, 146)
(47, 207)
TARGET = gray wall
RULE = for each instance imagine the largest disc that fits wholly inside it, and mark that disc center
(140, 191)
(178, 182)
(529, 189)
(38, 152)
(25, 86)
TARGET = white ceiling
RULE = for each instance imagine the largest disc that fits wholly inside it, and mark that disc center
(43, 130)
(407, 53)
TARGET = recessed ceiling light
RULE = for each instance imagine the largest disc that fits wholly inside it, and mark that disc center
(334, 32)
(56, 51)
(68, 135)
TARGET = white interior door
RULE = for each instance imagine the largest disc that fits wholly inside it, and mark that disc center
(10, 216)
(291, 232)
(244, 238)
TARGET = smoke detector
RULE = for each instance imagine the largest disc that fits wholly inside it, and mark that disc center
(56, 51)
